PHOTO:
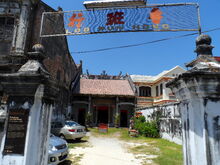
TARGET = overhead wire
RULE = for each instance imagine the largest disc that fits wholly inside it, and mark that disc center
(144, 43)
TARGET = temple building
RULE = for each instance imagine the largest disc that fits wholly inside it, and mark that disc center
(151, 90)
(104, 97)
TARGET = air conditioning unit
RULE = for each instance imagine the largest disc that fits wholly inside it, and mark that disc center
(113, 3)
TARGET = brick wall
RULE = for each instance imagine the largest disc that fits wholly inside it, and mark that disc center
(59, 62)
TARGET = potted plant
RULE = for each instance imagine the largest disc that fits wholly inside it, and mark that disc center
(117, 120)
(89, 119)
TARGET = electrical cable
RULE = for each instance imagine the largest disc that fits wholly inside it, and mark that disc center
(144, 43)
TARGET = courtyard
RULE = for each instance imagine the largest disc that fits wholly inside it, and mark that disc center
(118, 148)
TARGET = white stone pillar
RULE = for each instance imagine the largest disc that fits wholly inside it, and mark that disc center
(200, 113)
(199, 93)
(31, 96)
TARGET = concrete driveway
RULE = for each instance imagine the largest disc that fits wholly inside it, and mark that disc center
(105, 151)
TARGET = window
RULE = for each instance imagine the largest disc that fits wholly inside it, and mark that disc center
(58, 75)
(145, 91)
(161, 89)
(6, 21)
(2, 21)
(58, 125)
(157, 91)
(10, 21)
(6, 34)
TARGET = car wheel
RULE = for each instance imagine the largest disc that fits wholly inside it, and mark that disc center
(62, 136)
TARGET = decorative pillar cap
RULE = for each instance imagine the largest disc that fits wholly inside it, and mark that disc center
(203, 45)
(35, 61)
(38, 48)
(38, 53)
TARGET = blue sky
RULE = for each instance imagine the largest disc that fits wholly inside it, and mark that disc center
(148, 59)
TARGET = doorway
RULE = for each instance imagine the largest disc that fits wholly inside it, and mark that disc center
(124, 118)
(82, 116)
(103, 114)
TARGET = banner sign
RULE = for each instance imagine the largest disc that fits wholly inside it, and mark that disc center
(175, 17)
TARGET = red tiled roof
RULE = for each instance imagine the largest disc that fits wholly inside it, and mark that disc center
(105, 87)
(217, 59)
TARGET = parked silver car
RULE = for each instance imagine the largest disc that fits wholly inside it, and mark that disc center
(58, 150)
(69, 130)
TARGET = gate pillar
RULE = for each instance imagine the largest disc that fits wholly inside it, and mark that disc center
(30, 98)
(198, 91)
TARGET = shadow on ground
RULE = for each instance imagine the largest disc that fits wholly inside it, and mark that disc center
(76, 141)
(66, 162)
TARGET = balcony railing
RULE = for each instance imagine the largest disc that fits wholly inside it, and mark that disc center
(149, 99)
(158, 98)
(145, 99)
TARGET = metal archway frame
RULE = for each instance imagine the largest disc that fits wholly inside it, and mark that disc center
(154, 18)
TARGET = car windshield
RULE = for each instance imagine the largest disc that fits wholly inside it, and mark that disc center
(71, 123)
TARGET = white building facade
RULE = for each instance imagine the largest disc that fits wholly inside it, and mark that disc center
(151, 90)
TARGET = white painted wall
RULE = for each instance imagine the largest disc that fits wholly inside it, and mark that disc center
(170, 128)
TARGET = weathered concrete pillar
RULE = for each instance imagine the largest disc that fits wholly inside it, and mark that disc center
(22, 29)
(31, 96)
(20, 40)
(116, 106)
(199, 93)
(90, 104)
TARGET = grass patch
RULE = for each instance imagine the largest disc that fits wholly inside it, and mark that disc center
(73, 159)
(167, 153)
(76, 159)
(171, 153)
(149, 150)
(112, 132)
(66, 162)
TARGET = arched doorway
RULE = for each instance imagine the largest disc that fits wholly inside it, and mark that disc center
(102, 114)
(81, 116)
(124, 118)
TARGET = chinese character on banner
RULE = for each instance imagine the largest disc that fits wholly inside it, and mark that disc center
(156, 15)
(115, 18)
(76, 18)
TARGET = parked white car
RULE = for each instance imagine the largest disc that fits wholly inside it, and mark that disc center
(69, 130)
(58, 150)
(2, 114)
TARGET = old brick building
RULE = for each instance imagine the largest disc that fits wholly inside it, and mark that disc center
(36, 77)
(104, 97)
(20, 23)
